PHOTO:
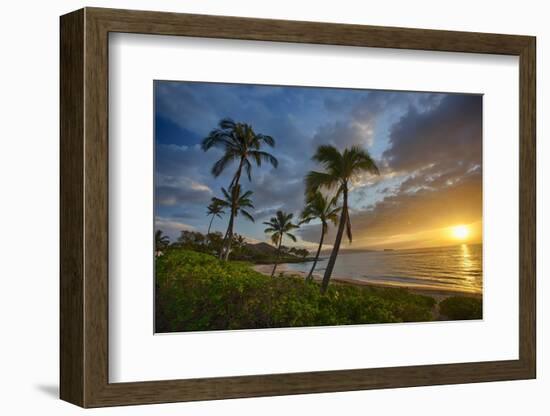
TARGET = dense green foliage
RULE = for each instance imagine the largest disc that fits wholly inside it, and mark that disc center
(461, 307)
(262, 253)
(196, 291)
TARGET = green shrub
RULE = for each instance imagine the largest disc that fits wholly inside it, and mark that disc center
(196, 291)
(461, 308)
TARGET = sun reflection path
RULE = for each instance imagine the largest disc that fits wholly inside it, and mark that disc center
(466, 260)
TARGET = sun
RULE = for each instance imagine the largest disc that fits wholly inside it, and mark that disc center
(460, 232)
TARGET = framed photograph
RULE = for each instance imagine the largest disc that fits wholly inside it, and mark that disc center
(256, 207)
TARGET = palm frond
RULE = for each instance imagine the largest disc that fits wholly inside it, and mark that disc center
(317, 180)
(227, 123)
(291, 236)
(223, 203)
(261, 156)
(222, 163)
(360, 159)
(328, 156)
(348, 227)
(270, 141)
(246, 195)
(226, 194)
(275, 238)
(332, 216)
(248, 169)
(247, 215)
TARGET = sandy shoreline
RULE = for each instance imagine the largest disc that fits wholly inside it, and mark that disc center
(436, 293)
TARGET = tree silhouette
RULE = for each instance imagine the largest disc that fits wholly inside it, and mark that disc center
(324, 209)
(340, 168)
(237, 203)
(279, 226)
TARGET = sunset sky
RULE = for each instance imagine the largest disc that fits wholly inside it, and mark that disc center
(428, 148)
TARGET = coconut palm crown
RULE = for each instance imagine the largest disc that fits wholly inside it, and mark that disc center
(280, 226)
(161, 241)
(340, 169)
(238, 204)
(323, 209)
(214, 210)
(239, 143)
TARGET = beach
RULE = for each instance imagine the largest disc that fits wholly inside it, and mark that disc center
(438, 271)
(437, 293)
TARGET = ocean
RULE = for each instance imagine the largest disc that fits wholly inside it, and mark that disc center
(457, 268)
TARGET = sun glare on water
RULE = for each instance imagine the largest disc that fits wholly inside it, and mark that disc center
(460, 232)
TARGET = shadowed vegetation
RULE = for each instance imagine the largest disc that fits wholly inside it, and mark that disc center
(161, 241)
(461, 308)
(197, 292)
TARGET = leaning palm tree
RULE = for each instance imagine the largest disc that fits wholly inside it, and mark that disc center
(236, 202)
(240, 143)
(324, 209)
(161, 241)
(214, 210)
(280, 226)
(341, 168)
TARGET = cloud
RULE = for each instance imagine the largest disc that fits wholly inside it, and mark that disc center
(172, 191)
(167, 132)
(345, 134)
(434, 154)
(171, 227)
(408, 212)
(427, 146)
(281, 188)
(447, 135)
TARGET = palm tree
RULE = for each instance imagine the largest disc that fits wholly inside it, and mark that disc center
(161, 241)
(239, 143)
(340, 169)
(239, 242)
(280, 226)
(215, 210)
(324, 209)
(236, 202)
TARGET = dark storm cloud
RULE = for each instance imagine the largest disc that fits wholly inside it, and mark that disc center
(446, 135)
(281, 188)
(358, 116)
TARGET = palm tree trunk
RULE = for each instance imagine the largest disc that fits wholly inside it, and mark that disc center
(337, 241)
(237, 177)
(229, 233)
(226, 245)
(310, 275)
(209, 226)
(277, 258)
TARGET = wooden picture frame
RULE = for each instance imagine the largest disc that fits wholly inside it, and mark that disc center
(84, 207)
